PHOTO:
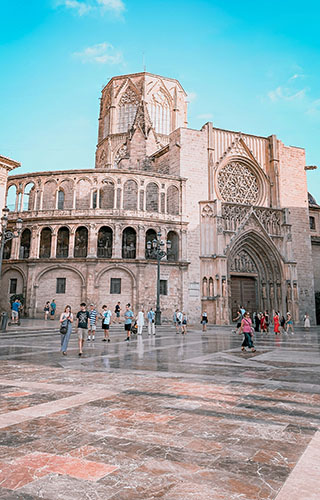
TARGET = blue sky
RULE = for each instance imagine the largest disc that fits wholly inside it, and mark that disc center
(248, 66)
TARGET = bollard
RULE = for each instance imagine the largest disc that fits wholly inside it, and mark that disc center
(4, 321)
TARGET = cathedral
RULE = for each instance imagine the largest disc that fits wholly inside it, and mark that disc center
(234, 207)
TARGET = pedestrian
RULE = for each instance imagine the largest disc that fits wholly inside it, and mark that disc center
(184, 323)
(179, 321)
(204, 321)
(306, 321)
(128, 317)
(66, 320)
(263, 325)
(140, 321)
(246, 329)
(117, 311)
(257, 322)
(15, 308)
(53, 307)
(83, 317)
(238, 319)
(282, 323)
(267, 318)
(106, 320)
(175, 320)
(92, 323)
(46, 310)
(276, 323)
(289, 324)
(151, 322)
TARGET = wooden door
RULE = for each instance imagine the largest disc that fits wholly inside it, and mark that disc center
(243, 293)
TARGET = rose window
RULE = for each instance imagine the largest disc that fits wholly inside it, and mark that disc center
(237, 184)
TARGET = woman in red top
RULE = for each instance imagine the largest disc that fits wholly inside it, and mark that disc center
(246, 329)
(276, 326)
(263, 324)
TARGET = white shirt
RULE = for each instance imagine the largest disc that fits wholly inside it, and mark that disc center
(140, 320)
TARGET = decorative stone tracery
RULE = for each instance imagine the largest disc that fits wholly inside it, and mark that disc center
(237, 183)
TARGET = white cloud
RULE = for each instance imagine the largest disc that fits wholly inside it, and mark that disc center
(101, 53)
(205, 116)
(116, 6)
(82, 7)
(283, 93)
(296, 75)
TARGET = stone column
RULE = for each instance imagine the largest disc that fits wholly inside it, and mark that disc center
(34, 244)
(71, 243)
(141, 242)
(15, 248)
(92, 241)
(54, 235)
(117, 242)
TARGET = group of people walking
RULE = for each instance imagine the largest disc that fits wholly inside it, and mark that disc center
(87, 323)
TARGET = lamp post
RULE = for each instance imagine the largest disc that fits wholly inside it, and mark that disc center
(7, 234)
(156, 249)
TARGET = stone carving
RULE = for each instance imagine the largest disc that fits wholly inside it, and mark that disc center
(129, 97)
(121, 153)
(237, 183)
(207, 211)
(233, 215)
(242, 263)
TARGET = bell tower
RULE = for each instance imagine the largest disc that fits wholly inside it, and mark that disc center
(137, 114)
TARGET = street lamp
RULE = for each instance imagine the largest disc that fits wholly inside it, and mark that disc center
(7, 234)
(156, 249)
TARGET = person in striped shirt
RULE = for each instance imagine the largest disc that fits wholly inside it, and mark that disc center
(93, 313)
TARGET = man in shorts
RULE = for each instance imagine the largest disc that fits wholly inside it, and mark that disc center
(15, 308)
(82, 317)
(128, 317)
(92, 322)
(117, 310)
(106, 320)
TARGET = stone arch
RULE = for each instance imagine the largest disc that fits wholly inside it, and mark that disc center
(128, 287)
(160, 111)
(47, 280)
(240, 180)
(45, 243)
(104, 242)
(67, 187)
(81, 242)
(151, 234)
(49, 195)
(173, 252)
(130, 195)
(253, 259)
(107, 191)
(63, 238)
(129, 243)
(11, 198)
(29, 192)
(12, 272)
(173, 200)
(83, 193)
(128, 101)
(152, 197)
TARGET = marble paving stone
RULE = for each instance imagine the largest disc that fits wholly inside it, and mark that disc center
(190, 418)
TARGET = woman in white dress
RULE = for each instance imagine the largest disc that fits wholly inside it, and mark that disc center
(306, 323)
(140, 321)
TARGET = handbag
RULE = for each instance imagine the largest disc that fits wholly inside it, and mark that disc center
(64, 328)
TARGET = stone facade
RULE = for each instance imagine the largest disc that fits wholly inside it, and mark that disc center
(234, 206)
(6, 165)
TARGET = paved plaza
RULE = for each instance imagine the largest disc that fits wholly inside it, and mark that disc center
(161, 417)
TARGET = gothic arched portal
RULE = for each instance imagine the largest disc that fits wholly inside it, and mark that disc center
(255, 275)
